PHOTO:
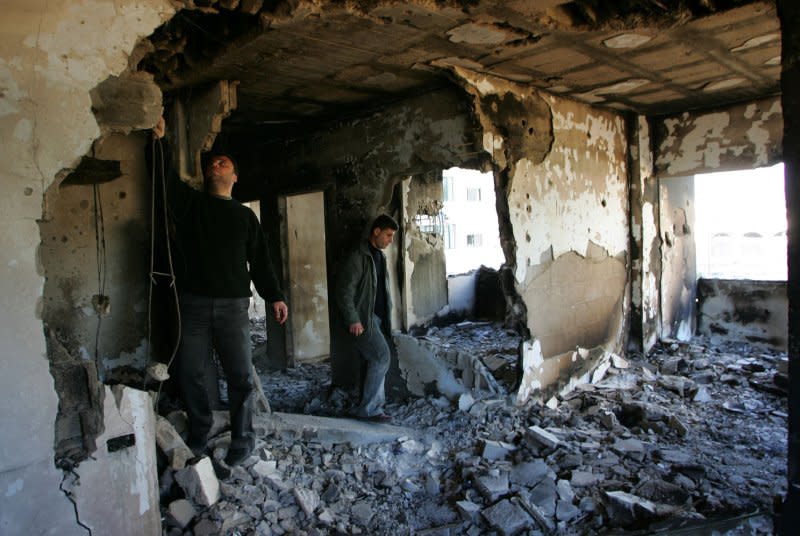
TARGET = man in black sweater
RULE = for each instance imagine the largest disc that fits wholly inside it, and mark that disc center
(222, 248)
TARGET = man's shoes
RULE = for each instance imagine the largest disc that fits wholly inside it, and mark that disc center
(237, 455)
(380, 417)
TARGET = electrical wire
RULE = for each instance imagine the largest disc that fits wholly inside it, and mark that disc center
(102, 269)
(156, 143)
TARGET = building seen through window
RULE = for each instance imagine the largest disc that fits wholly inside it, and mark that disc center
(471, 232)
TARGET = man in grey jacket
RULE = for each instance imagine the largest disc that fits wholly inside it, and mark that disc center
(362, 296)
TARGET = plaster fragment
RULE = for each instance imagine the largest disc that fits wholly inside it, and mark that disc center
(630, 40)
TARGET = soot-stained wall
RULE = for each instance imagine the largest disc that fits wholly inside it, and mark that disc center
(563, 169)
(359, 164)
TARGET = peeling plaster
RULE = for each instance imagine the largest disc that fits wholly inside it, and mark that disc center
(741, 136)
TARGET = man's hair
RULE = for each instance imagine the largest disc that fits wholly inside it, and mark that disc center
(210, 158)
(384, 222)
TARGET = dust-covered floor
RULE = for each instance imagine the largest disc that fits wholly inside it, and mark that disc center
(684, 435)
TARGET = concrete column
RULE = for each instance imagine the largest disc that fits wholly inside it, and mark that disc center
(789, 14)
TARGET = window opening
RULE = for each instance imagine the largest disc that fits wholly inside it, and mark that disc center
(471, 232)
(740, 224)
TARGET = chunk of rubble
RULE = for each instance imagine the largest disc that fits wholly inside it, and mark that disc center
(678, 384)
(468, 510)
(496, 450)
(625, 509)
(529, 474)
(199, 482)
(507, 517)
(492, 486)
(181, 512)
(307, 499)
(465, 402)
(542, 437)
(171, 444)
(583, 479)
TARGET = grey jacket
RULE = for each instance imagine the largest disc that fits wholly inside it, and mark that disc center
(356, 286)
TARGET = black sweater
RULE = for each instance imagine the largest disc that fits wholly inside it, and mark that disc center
(220, 245)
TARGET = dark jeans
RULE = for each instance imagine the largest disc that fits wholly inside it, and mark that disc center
(221, 323)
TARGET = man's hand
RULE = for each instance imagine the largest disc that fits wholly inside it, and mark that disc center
(281, 311)
(356, 329)
(160, 128)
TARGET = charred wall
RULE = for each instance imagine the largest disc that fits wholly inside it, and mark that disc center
(743, 310)
(563, 206)
(360, 165)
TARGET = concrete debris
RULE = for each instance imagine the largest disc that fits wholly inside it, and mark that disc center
(181, 512)
(609, 455)
(158, 372)
(171, 444)
(507, 517)
(199, 482)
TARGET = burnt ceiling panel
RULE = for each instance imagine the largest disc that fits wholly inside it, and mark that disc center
(299, 60)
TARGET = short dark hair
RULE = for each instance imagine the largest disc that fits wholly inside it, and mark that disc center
(384, 221)
(211, 156)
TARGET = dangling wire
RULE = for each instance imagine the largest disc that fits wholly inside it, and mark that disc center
(100, 250)
(171, 273)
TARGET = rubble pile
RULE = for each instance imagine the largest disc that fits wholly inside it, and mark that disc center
(683, 435)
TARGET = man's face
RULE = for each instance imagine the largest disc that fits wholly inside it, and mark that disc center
(381, 238)
(220, 172)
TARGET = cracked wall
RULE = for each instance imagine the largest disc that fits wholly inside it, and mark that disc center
(564, 228)
(52, 55)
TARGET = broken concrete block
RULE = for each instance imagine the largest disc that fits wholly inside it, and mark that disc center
(362, 512)
(564, 490)
(630, 447)
(507, 517)
(582, 479)
(199, 482)
(465, 401)
(529, 474)
(171, 444)
(492, 486)
(307, 499)
(625, 509)
(496, 450)
(468, 510)
(263, 468)
(566, 511)
(544, 496)
(542, 437)
(619, 362)
(181, 512)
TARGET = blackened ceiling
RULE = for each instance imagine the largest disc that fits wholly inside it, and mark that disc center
(305, 61)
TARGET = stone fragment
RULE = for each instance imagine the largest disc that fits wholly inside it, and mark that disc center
(702, 396)
(544, 496)
(465, 402)
(608, 420)
(468, 510)
(199, 482)
(326, 518)
(564, 490)
(363, 511)
(171, 444)
(566, 511)
(542, 437)
(619, 362)
(496, 450)
(263, 468)
(630, 447)
(678, 384)
(492, 486)
(582, 479)
(181, 512)
(660, 491)
(544, 520)
(307, 499)
(529, 474)
(678, 425)
(625, 509)
(507, 517)
(205, 527)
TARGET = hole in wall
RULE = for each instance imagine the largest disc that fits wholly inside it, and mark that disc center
(120, 442)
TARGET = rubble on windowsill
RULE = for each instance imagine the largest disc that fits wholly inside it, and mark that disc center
(686, 434)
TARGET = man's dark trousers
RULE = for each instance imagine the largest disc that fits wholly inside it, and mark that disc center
(221, 323)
